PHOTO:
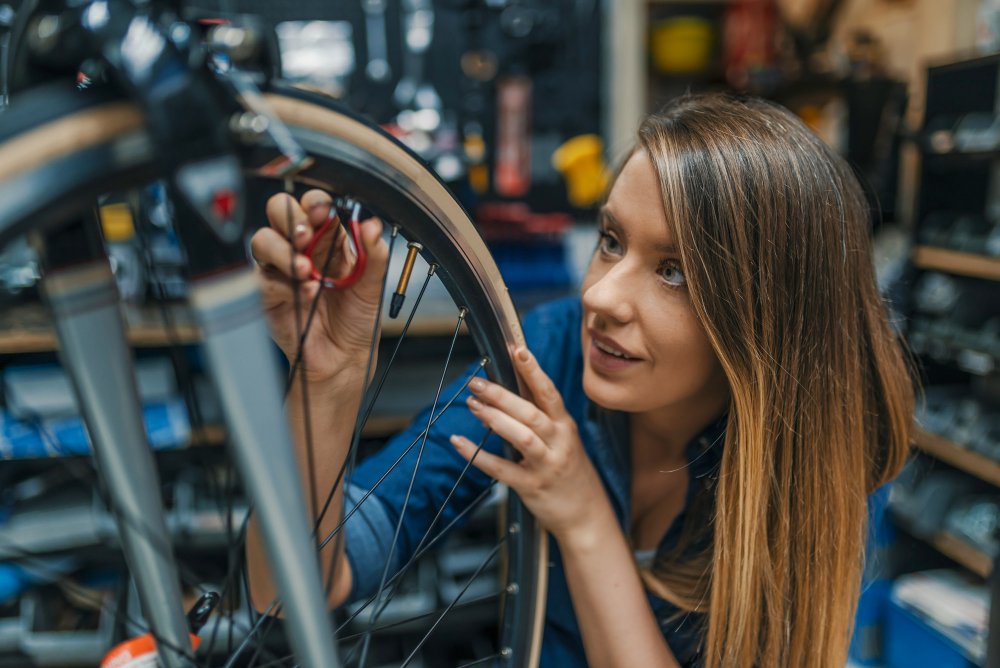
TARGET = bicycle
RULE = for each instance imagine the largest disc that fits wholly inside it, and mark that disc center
(60, 148)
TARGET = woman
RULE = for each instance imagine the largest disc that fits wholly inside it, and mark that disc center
(704, 451)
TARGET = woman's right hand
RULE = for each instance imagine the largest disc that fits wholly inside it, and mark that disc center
(339, 337)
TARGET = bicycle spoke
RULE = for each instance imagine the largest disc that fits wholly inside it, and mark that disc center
(349, 460)
(395, 579)
(300, 336)
(359, 423)
(468, 584)
(352, 450)
(267, 614)
(485, 598)
(461, 476)
(313, 306)
(391, 625)
(486, 659)
(402, 456)
(37, 566)
(406, 499)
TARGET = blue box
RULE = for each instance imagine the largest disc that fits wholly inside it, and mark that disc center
(911, 643)
(868, 640)
(167, 427)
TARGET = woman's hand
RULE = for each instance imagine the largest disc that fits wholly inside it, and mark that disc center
(555, 479)
(340, 334)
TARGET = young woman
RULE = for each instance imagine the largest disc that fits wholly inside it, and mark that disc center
(706, 450)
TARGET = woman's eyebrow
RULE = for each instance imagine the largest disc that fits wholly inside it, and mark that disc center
(609, 218)
(605, 214)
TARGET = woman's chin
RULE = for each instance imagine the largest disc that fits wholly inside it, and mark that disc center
(607, 395)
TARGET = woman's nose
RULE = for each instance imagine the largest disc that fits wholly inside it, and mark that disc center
(612, 294)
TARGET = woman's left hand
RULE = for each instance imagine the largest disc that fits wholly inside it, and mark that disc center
(555, 479)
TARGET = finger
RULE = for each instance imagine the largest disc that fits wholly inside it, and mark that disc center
(523, 439)
(517, 407)
(316, 203)
(371, 237)
(277, 289)
(377, 250)
(287, 217)
(543, 390)
(273, 251)
(496, 467)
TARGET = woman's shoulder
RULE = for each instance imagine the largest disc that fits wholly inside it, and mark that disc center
(552, 330)
(556, 316)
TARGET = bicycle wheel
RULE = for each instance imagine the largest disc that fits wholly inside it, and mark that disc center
(60, 149)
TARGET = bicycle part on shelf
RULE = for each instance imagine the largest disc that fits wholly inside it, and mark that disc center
(377, 69)
(361, 256)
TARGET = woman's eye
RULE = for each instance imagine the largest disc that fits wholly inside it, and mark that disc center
(672, 275)
(608, 244)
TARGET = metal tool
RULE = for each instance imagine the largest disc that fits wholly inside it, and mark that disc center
(354, 227)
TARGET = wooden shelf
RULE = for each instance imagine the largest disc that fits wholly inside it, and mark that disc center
(971, 462)
(378, 426)
(968, 556)
(683, 3)
(956, 549)
(957, 262)
(27, 328)
(960, 159)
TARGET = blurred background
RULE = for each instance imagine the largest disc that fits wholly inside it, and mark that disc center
(524, 107)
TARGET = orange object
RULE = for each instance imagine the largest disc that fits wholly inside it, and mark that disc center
(513, 158)
(137, 653)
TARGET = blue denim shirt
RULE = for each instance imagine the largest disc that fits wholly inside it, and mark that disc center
(552, 332)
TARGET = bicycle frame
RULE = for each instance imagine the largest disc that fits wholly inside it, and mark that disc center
(151, 63)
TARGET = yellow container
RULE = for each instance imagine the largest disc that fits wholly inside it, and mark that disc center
(682, 45)
(581, 162)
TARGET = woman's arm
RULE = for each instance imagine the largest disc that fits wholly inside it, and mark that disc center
(334, 359)
(558, 483)
(331, 434)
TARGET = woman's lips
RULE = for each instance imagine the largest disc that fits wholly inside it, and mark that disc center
(602, 360)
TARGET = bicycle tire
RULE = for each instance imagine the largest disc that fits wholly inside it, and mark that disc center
(60, 148)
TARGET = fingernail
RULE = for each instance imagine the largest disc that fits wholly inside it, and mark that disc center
(474, 403)
(477, 385)
(523, 355)
(454, 439)
(303, 264)
(300, 230)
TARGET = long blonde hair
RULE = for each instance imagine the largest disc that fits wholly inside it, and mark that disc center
(773, 230)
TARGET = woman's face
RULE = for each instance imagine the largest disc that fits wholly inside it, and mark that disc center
(643, 348)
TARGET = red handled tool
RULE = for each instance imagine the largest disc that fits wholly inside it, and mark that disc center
(354, 229)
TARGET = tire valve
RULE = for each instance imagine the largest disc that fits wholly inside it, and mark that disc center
(404, 279)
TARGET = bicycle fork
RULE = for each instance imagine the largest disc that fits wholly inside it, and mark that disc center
(80, 289)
